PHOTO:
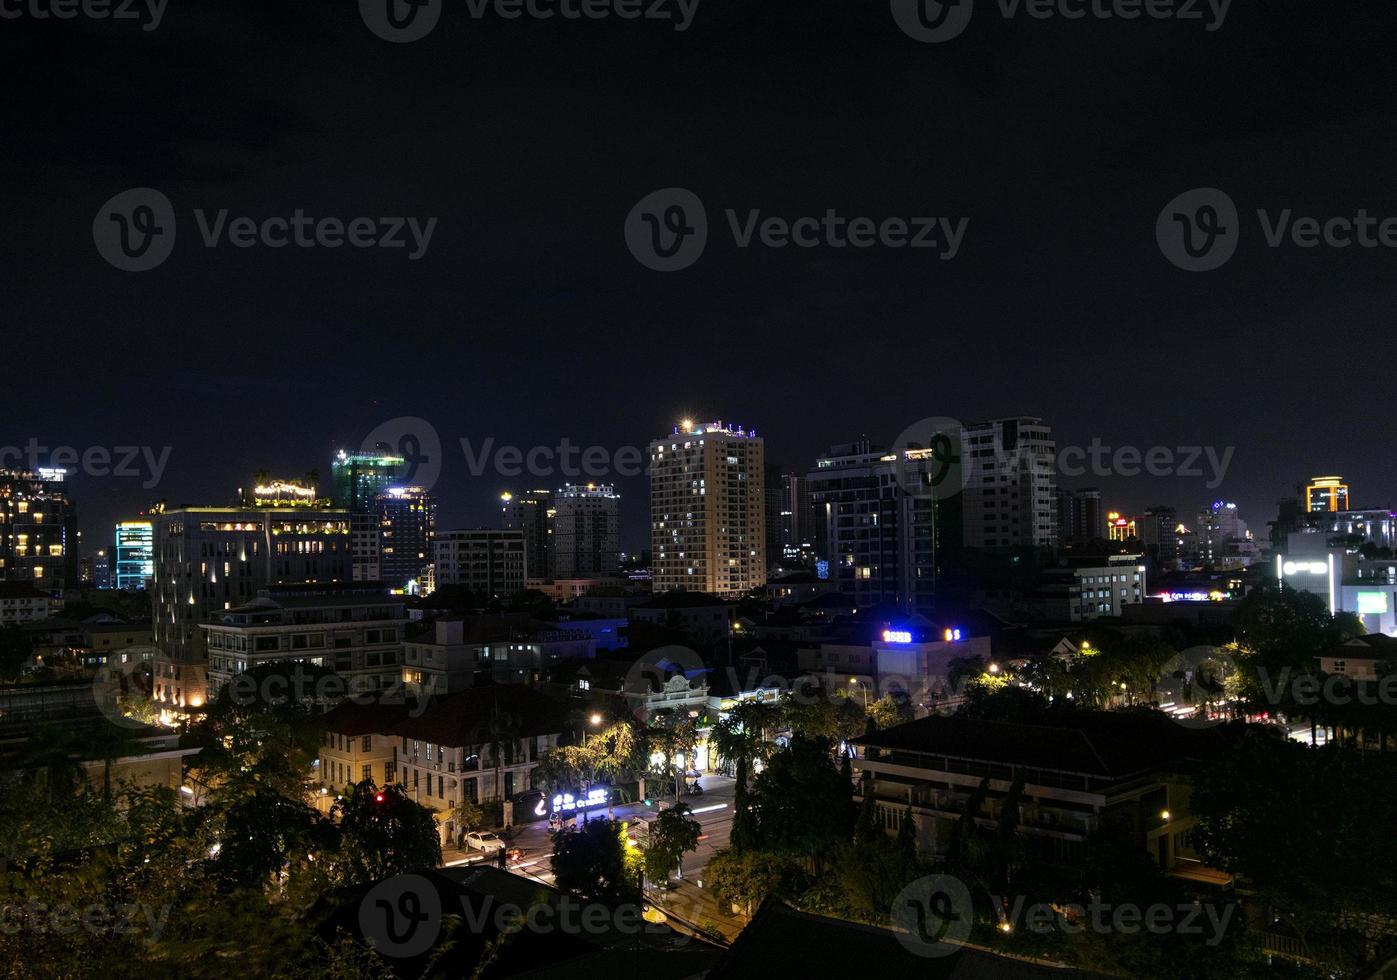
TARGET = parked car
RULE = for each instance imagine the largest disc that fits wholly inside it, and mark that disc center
(484, 841)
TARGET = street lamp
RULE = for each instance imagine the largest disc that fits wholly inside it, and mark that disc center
(594, 721)
(863, 690)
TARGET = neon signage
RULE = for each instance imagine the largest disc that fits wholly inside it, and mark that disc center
(897, 636)
(567, 803)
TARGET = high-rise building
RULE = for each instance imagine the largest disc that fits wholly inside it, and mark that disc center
(1010, 475)
(1325, 494)
(1219, 526)
(1079, 515)
(209, 559)
(135, 554)
(708, 520)
(97, 570)
(532, 513)
(881, 527)
(38, 530)
(407, 524)
(360, 477)
(586, 531)
(489, 562)
(1158, 531)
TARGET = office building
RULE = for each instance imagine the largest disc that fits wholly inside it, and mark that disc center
(1325, 494)
(98, 571)
(38, 530)
(360, 477)
(135, 554)
(882, 532)
(407, 525)
(532, 514)
(353, 629)
(1010, 475)
(1079, 516)
(708, 519)
(1085, 589)
(586, 531)
(481, 560)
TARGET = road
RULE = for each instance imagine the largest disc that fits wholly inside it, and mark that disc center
(712, 809)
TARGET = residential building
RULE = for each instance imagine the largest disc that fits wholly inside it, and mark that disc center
(704, 618)
(352, 628)
(1158, 531)
(1220, 531)
(488, 562)
(1079, 516)
(532, 514)
(210, 559)
(1085, 777)
(38, 529)
(586, 531)
(438, 659)
(1086, 589)
(407, 524)
(20, 602)
(135, 554)
(880, 517)
(708, 519)
(1010, 474)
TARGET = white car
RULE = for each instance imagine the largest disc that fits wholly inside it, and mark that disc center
(486, 841)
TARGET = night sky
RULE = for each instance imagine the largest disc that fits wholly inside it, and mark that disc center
(528, 320)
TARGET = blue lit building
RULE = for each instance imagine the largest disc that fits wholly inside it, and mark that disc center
(135, 554)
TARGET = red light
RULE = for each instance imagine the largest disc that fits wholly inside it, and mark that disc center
(378, 797)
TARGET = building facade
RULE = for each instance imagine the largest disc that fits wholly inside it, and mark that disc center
(407, 525)
(1080, 518)
(210, 559)
(881, 524)
(586, 531)
(708, 518)
(353, 629)
(492, 563)
(532, 514)
(1010, 475)
(38, 530)
(135, 554)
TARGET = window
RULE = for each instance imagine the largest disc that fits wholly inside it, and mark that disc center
(368, 772)
(367, 744)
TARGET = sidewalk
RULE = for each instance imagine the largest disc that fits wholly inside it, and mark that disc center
(697, 908)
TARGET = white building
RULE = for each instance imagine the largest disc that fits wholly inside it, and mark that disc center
(586, 531)
(1010, 477)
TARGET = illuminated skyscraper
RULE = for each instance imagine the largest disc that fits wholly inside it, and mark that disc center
(708, 523)
(1010, 474)
(1326, 494)
(135, 554)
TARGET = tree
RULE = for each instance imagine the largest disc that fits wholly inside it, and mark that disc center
(888, 712)
(802, 803)
(385, 833)
(592, 860)
(739, 741)
(746, 879)
(673, 833)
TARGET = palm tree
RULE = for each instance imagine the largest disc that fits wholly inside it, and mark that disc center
(501, 730)
(108, 743)
(52, 756)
